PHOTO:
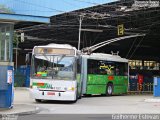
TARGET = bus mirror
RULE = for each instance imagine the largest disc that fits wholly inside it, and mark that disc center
(27, 58)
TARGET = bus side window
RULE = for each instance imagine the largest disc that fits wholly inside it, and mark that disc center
(110, 68)
(126, 69)
(92, 67)
(121, 69)
(117, 70)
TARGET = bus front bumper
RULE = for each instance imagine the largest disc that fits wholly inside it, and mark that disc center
(51, 95)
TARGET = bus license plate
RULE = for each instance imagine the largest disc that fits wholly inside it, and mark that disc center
(51, 93)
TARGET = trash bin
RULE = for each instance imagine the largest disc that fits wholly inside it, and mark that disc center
(6, 86)
(156, 88)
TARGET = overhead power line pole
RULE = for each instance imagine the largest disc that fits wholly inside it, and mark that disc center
(80, 27)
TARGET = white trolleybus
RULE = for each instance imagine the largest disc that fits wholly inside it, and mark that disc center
(59, 72)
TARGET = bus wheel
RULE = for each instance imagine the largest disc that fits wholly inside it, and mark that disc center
(75, 99)
(109, 90)
(80, 95)
(38, 100)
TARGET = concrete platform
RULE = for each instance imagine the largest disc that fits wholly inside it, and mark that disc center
(20, 109)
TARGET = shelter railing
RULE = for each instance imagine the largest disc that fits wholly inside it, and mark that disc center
(140, 88)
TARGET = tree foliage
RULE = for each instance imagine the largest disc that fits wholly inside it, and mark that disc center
(15, 40)
(4, 9)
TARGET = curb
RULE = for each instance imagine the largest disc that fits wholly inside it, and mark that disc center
(35, 111)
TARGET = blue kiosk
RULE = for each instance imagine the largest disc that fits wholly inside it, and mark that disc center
(156, 87)
(7, 22)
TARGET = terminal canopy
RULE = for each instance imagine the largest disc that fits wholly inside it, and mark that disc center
(6, 17)
(100, 23)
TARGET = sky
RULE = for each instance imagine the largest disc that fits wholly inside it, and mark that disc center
(49, 7)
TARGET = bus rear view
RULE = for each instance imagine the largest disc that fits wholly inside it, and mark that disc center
(53, 74)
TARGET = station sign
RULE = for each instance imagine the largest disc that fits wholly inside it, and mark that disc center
(120, 30)
(63, 51)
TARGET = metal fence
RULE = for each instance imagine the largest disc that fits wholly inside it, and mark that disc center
(22, 76)
(19, 79)
(140, 88)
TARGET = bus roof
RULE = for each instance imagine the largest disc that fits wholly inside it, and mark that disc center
(53, 45)
(108, 57)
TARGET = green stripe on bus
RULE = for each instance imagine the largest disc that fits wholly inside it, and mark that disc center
(40, 85)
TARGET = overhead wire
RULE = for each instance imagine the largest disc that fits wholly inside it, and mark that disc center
(56, 9)
(32, 10)
(33, 4)
(42, 6)
(139, 27)
(95, 3)
(85, 37)
(146, 19)
(75, 19)
(131, 47)
(137, 38)
(69, 3)
(149, 30)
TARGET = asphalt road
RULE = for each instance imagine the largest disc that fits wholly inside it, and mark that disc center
(129, 104)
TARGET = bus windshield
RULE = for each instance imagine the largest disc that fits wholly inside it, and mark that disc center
(57, 67)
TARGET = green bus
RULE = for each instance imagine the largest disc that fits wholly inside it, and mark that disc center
(61, 72)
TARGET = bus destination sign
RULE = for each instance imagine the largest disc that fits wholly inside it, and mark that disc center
(56, 51)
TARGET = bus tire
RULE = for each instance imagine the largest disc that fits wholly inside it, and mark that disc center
(75, 99)
(38, 100)
(80, 96)
(109, 90)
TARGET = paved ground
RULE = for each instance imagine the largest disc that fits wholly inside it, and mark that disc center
(93, 105)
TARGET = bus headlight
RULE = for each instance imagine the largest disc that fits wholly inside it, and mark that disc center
(71, 88)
